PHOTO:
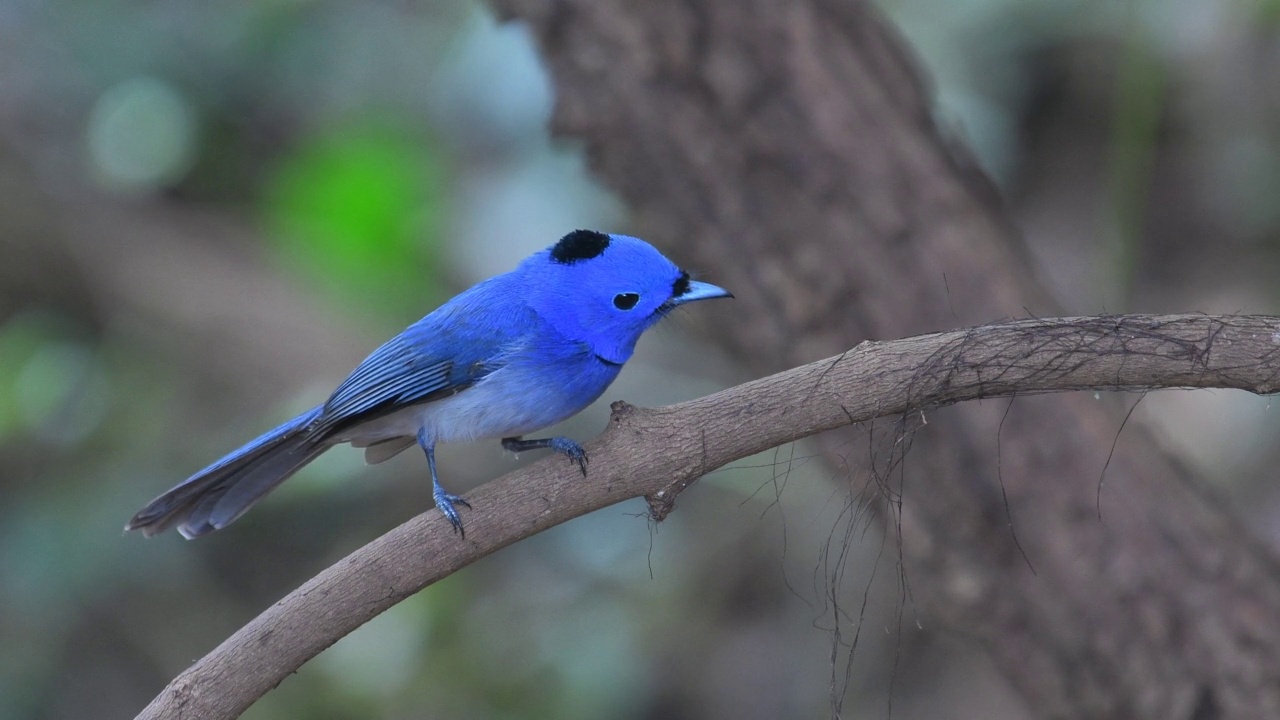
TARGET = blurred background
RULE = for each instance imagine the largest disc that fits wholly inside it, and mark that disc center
(209, 213)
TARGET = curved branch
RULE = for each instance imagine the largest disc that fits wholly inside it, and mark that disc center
(657, 453)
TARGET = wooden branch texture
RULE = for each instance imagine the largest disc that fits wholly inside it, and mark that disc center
(660, 452)
(788, 149)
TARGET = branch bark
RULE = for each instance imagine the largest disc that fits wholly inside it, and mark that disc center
(658, 453)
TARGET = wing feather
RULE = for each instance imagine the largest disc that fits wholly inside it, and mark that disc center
(394, 376)
(443, 353)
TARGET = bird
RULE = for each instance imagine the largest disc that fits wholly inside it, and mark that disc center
(511, 355)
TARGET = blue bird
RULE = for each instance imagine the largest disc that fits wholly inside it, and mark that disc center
(513, 354)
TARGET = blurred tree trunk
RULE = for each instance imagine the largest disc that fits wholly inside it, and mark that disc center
(788, 148)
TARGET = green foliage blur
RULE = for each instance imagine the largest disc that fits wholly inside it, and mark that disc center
(360, 211)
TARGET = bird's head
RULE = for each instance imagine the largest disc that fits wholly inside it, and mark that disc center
(606, 290)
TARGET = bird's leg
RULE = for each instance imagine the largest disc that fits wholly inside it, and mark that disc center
(445, 501)
(562, 445)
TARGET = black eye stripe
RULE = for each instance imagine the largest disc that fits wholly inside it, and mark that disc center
(681, 285)
(626, 301)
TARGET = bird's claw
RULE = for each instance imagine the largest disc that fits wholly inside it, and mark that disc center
(565, 446)
(445, 502)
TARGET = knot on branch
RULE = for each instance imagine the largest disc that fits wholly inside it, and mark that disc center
(662, 503)
(620, 410)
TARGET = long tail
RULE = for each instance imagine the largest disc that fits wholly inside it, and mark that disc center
(214, 497)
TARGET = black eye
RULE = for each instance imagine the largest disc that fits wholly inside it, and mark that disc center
(626, 301)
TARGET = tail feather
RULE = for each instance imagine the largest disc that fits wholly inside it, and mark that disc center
(214, 497)
(222, 505)
(387, 449)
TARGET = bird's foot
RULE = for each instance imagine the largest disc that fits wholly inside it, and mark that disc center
(445, 502)
(562, 445)
(572, 449)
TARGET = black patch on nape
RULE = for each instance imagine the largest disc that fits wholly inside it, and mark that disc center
(681, 285)
(579, 245)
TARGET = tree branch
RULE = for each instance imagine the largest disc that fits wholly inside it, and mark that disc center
(657, 453)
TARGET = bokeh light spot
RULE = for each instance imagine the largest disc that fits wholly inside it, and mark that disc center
(141, 135)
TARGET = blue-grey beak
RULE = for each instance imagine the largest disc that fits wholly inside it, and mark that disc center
(699, 291)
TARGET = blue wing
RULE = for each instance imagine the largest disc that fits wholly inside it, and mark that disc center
(441, 354)
(395, 375)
